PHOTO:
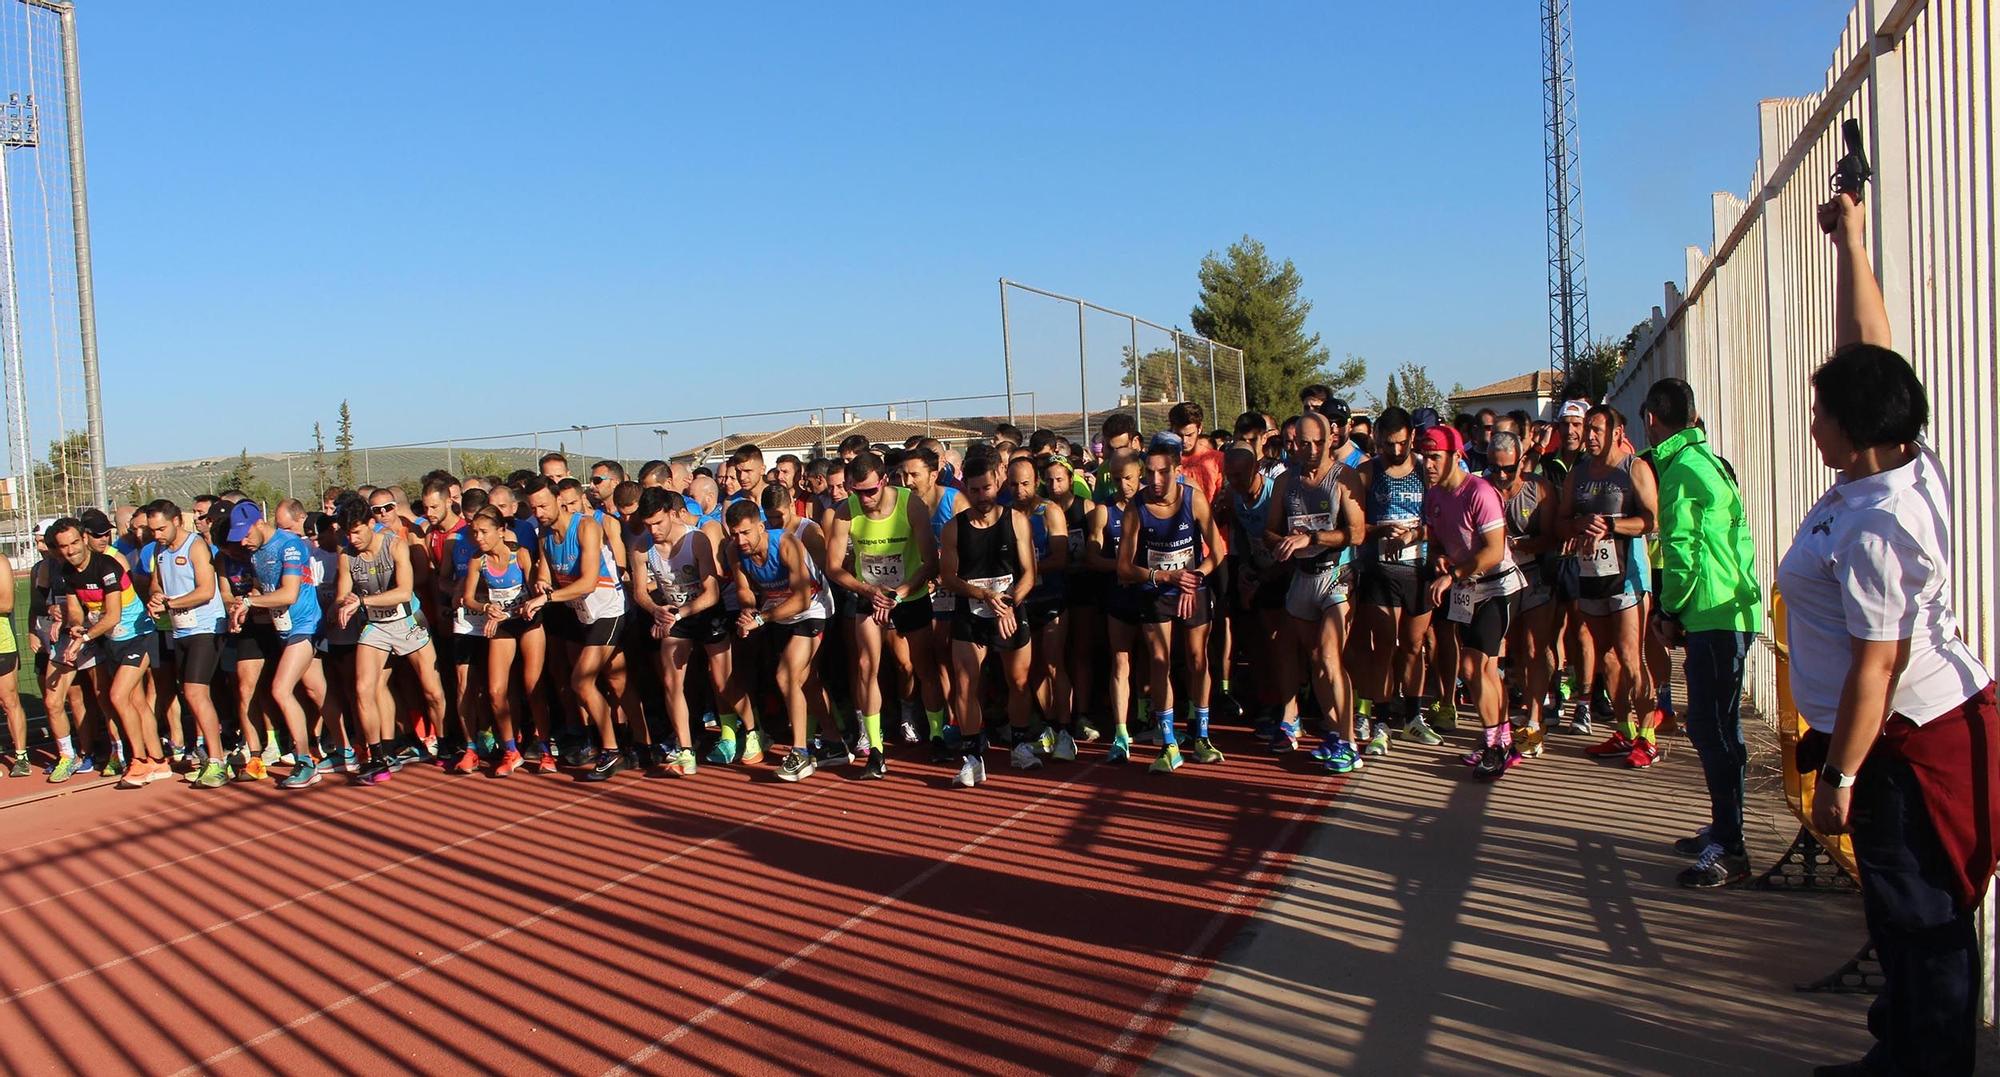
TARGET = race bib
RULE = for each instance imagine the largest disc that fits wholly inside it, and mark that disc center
(504, 597)
(1459, 608)
(1406, 553)
(1311, 521)
(981, 608)
(282, 621)
(882, 570)
(774, 598)
(384, 613)
(1170, 560)
(1599, 560)
(944, 603)
(185, 620)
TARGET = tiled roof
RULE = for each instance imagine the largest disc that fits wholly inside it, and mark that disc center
(1534, 382)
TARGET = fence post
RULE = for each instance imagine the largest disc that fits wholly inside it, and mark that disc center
(367, 475)
(288, 476)
(1007, 350)
(1214, 402)
(1082, 375)
(617, 445)
(1180, 380)
(1242, 378)
(1138, 392)
(448, 459)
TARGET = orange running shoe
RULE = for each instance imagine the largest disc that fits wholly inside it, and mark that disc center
(467, 763)
(508, 764)
(135, 774)
(253, 770)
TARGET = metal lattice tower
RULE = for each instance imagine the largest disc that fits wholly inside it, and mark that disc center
(1569, 306)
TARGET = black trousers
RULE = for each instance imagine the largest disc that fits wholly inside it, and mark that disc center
(1926, 1018)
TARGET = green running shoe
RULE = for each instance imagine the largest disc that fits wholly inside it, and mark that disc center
(64, 767)
(113, 767)
(1205, 751)
(1378, 741)
(1169, 760)
(1443, 716)
(214, 775)
(1420, 732)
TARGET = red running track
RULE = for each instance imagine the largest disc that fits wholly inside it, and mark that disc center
(1048, 922)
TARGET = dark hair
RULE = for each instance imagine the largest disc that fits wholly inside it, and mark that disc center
(1009, 431)
(554, 457)
(438, 474)
(1041, 441)
(777, 497)
(1393, 420)
(1250, 422)
(520, 475)
(617, 469)
(978, 466)
(1671, 401)
(1118, 424)
(740, 510)
(853, 443)
(492, 517)
(1324, 392)
(1184, 413)
(745, 453)
(625, 493)
(535, 484)
(472, 501)
(568, 484)
(62, 524)
(655, 471)
(1363, 441)
(1872, 394)
(437, 486)
(863, 466)
(352, 514)
(654, 500)
(1611, 415)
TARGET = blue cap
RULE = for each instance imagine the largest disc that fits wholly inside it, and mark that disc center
(241, 517)
(1166, 441)
(1425, 417)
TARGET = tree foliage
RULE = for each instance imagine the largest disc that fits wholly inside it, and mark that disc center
(1411, 387)
(1251, 302)
(343, 444)
(62, 481)
(322, 477)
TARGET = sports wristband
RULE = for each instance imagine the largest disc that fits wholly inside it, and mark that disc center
(1832, 776)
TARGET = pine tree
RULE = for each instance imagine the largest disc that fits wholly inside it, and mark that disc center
(320, 474)
(1250, 302)
(343, 444)
(1392, 399)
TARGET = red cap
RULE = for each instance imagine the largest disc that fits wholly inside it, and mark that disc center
(1440, 439)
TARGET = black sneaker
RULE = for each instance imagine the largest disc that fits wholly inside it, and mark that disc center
(1692, 845)
(942, 752)
(833, 752)
(576, 754)
(877, 766)
(1492, 763)
(1716, 867)
(797, 767)
(607, 764)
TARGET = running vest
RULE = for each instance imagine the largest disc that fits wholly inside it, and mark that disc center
(1312, 508)
(1519, 511)
(174, 568)
(565, 558)
(675, 575)
(1048, 585)
(1399, 501)
(772, 581)
(885, 551)
(375, 576)
(1246, 524)
(950, 503)
(503, 589)
(988, 558)
(1166, 545)
(1601, 565)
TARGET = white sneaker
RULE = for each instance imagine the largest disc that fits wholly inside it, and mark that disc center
(271, 753)
(1065, 748)
(970, 770)
(1024, 758)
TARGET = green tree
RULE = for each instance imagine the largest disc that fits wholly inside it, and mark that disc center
(137, 493)
(322, 478)
(1390, 399)
(1248, 301)
(343, 444)
(62, 481)
(480, 463)
(239, 475)
(1412, 388)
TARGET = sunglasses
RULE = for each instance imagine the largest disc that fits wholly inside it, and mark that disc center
(866, 491)
(595, 479)
(1507, 471)
(381, 510)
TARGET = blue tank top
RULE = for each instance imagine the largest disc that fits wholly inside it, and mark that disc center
(1047, 584)
(1395, 500)
(769, 576)
(1169, 544)
(175, 568)
(1246, 524)
(947, 507)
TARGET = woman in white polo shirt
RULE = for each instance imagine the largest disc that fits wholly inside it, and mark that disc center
(1904, 730)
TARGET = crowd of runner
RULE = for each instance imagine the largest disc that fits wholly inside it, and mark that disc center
(1330, 582)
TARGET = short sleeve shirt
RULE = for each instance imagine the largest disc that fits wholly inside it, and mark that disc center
(286, 556)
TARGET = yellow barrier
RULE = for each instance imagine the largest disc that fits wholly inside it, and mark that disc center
(1799, 787)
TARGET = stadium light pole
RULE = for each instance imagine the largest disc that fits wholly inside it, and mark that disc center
(582, 439)
(18, 128)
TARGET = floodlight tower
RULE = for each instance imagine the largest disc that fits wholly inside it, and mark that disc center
(20, 128)
(1569, 307)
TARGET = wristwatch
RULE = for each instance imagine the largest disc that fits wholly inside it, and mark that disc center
(1832, 776)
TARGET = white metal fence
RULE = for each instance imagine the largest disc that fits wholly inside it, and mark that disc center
(1757, 315)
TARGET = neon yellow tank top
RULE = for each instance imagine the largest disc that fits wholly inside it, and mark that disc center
(885, 551)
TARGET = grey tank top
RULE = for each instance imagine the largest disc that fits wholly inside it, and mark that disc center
(1606, 493)
(1311, 507)
(377, 576)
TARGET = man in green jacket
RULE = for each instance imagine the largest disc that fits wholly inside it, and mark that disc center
(1708, 602)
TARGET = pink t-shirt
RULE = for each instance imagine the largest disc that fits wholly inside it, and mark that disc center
(1457, 518)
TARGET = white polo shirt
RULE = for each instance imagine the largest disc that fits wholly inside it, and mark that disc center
(1872, 561)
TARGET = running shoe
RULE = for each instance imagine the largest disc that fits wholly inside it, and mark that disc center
(21, 768)
(508, 764)
(1023, 757)
(681, 762)
(1286, 739)
(832, 751)
(755, 743)
(1344, 759)
(1204, 750)
(1265, 727)
(1169, 760)
(1085, 730)
(302, 775)
(1045, 741)
(1513, 756)
(603, 767)
(136, 775)
(971, 771)
(61, 769)
(1378, 741)
(1615, 744)
(1419, 731)
(724, 751)
(944, 749)
(253, 770)
(214, 774)
(906, 731)
(343, 760)
(466, 763)
(1064, 749)
(710, 721)
(1579, 723)
(159, 772)
(1529, 740)
(545, 763)
(1120, 750)
(1694, 845)
(797, 767)
(1472, 758)
(1644, 754)
(113, 766)
(1716, 866)
(1492, 763)
(375, 772)
(1443, 716)
(486, 743)
(407, 754)
(877, 767)
(1328, 744)
(271, 754)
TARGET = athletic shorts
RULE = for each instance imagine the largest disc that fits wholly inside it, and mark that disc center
(1043, 610)
(1395, 587)
(1266, 587)
(10, 662)
(781, 633)
(469, 650)
(847, 603)
(1490, 621)
(198, 655)
(912, 616)
(1536, 591)
(943, 606)
(1086, 589)
(603, 632)
(137, 650)
(403, 636)
(1605, 607)
(1312, 594)
(258, 642)
(1150, 609)
(985, 631)
(709, 627)
(561, 622)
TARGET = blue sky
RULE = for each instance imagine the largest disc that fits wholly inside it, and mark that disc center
(482, 217)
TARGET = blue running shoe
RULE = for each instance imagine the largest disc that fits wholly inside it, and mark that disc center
(1329, 746)
(1120, 750)
(1344, 759)
(1286, 739)
(724, 751)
